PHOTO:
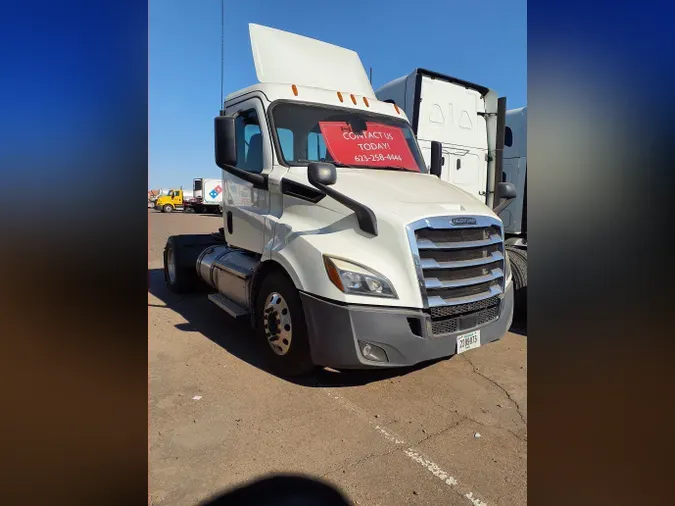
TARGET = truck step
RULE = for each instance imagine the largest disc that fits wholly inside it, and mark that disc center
(231, 308)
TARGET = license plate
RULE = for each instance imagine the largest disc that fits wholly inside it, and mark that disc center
(468, 341)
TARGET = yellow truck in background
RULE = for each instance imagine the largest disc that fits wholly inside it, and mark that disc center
(174, 201)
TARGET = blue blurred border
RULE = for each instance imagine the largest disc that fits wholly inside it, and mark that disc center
(600, 179)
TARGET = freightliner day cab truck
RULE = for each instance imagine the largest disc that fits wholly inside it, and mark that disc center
(339, 245)
(466, 119)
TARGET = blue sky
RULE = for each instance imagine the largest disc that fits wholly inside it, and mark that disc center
(482, 42)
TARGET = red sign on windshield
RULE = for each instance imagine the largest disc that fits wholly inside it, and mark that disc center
(377, 146)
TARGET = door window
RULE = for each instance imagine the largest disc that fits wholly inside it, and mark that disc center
(285, 137)
(249, 142)
(508, 137)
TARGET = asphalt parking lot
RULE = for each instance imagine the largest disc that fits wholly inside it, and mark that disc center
(453, 432)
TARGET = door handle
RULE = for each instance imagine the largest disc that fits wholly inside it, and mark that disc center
(459, 163)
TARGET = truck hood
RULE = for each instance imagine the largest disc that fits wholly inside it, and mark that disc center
(407, 196)
(306, 232)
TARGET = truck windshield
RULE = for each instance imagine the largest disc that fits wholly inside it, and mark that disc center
(344, 137)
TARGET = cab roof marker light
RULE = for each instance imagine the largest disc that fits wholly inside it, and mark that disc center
(295, 90)
(365, 101)
(353, 98)
(340, 96)
(398, 111)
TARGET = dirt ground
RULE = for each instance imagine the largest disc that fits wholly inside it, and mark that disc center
(453, 432)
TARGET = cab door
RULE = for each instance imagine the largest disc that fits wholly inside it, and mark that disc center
(245, 208)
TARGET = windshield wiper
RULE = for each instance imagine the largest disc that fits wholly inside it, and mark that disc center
(389, 168)
(370, 167)
(337, 164)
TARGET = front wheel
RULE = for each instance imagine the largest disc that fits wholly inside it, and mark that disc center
(281, 327)
(167, 208)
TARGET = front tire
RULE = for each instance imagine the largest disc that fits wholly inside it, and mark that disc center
(281, 327)
(167, 208)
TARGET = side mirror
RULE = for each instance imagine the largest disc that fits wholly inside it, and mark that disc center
(226, 141)
(321, 173)
(436, 158)
(507, 191)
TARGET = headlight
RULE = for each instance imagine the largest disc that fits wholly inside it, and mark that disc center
(356, 279)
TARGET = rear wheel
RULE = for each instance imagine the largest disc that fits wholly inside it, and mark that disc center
(167, 208)
(180, 259)
(518, 258)
(281, 327)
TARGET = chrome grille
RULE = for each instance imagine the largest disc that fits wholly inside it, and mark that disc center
(463, 292)
(457, 235)
(459, 255)
(461, 271)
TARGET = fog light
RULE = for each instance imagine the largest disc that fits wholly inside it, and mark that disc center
(372, 352)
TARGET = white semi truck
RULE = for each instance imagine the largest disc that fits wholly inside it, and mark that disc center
(341, 246)
(468, 120)
(208, 195)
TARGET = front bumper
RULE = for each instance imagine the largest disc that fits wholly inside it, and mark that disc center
(335, 331)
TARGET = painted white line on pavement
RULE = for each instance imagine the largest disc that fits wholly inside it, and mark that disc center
(412, 453)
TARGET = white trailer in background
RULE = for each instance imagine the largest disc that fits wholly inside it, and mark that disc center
(208, 195)
(462, 116)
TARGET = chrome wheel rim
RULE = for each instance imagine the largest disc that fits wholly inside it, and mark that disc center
(277, 323)
(171, 266)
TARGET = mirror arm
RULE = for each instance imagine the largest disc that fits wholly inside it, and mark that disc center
(364, 215)
(257, 180)
(502, 206)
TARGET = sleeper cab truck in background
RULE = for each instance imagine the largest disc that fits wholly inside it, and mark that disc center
(515, 215)
(468, 120)
(338, 245)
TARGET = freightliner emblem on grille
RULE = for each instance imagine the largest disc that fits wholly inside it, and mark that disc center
(464, 221)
